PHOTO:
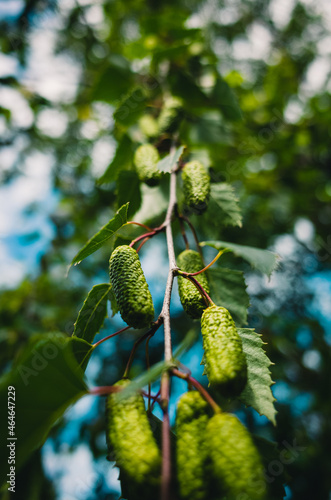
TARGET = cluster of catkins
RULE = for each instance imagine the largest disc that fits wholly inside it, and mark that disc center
(215, 457)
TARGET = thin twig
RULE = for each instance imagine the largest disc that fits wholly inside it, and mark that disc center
(165, 314)
(140, 224)
(150, 332)
(110, 336)
(195, 236)
(148, 368)
(202, 291)
(199, 387)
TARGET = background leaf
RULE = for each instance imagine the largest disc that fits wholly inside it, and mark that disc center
(122, 159)
(47, 380)
(128, 189)
(131, 107)
(169, 161)
(226, 100)
(263, 260)
(257, 392)
(103, 235)
(228, 289)
(224, 204)
(93, 313)
(270, 455)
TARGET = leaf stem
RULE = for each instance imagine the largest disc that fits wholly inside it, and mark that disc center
(141, 225)
(150, 333)
(110, 336)
(198, 386)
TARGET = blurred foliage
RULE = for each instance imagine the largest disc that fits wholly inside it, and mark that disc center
(128, 58)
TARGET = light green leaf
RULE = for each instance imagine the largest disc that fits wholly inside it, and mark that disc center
(228, 289)
(224, 204)
(257, 392)
(103, 235)
(154, 204)
(121, 160)
(263, 260)
(168, 162)
(47, 379)
(93, 313)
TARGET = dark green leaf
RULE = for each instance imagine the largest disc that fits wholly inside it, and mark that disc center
(263, 260)
(47, 380)
(131, 107)
(170, 161)
(228, 289)
(275, 478)
(82, 351)
(103, 235)
(114, 83)
(184, 86)
(226, 100)
(224, 204)
(121, 160)
(93, 313)
(257, 392)
(128, 189)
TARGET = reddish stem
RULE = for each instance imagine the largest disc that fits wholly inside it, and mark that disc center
(199, 387)
(104, 390)
(202, 291)
(148, 367)
(110, 336)
(141, 225)
(150, 332)
(195, 236)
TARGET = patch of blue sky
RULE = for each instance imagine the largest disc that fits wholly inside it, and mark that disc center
(10, 9)
(320, 285)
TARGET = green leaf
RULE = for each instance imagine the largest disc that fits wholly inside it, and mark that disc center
(82, 351)
(115, 82)
(226, 100)
(275, 479)
(263, 260)
(128, 189)
(122, 159)
(93, 313)
(168, 162)
(154, 204)
(228, 289)
(224, 204)
(184, 86)
(113, 301)
(103, 235)
(257, 392)
(47, 380)
(131, 107)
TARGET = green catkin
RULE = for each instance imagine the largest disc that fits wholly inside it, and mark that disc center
(145, 160)
(170, 115)
(224, 359)
(191, 420)
(132, 444)
(192, 301)
(149, 126)
(196, 186)
(235, 462)
(130, 287)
